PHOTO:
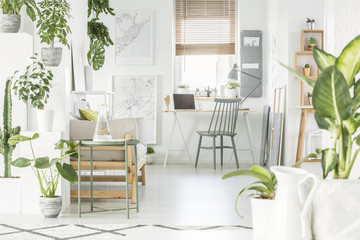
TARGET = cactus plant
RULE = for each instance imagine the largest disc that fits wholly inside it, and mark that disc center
(7, 132)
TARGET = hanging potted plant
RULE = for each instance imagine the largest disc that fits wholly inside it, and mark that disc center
(53, 25)
(33, 87)
(336, 100)
(48, 172)
(10, 18)
(232, 88)
(262, 198)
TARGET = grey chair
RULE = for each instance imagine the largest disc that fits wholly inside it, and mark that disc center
(223, 123)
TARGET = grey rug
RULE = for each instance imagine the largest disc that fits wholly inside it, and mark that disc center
(97, 231)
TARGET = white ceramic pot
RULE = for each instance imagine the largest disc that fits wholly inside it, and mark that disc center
(10, 23)
(232, 93)
(150, 158)
(288, 206)
(10, 195)
(50, 207)
(45, 119)
(262, 216)
(334, 208)
(51, 56)
(311, 25)
(183, 90)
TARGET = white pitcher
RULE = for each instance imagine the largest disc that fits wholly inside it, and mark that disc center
(288, 205)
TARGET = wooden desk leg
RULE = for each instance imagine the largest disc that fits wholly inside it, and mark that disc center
(91, 179)
(79, 182)
(300, 146)
(170, 140)
(126, 179)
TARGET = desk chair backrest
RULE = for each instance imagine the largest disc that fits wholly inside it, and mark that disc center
(225, 114)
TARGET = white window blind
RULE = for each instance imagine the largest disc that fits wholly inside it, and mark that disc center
(205, 27)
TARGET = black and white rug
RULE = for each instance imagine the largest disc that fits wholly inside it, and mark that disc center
(114, 231)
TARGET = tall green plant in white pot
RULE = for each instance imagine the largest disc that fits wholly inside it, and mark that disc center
(53, 25)
(10, 18)
(336, 100)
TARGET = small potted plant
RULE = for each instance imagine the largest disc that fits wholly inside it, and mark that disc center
(309, 95)
(48, 172)
(312, 43)
(214, 92)
(262, 195)
(53, 25)
(10, 19)
(183, 88)
(232, 88)
(207, 91)
(33, 87)
(310, 23)
(150, 155)
(307, 70)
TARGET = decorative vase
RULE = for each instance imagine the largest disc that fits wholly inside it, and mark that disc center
(10, 23)
(232, 93)
(288, 207)
(50, 207)
(45, 119)
(51, 56)
(102, 129)
(333, 207)
(311, 25)
(307, 71)
(222, 91)
(88, 78)
(10, 199)
(262, 214)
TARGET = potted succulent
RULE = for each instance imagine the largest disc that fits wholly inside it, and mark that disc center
(336, 100)
(197, 92)
(150, 155)
(48, 172)
(312, 43)
(309, 95)
(208, 91)
(262, 195)
(10, 18)
(307, 70)
(53, 25)
(310, 23)
(232, 88)
(183, 88)
(33, 87)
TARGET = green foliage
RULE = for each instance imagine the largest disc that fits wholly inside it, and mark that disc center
(312, 40)
(310, 20)
(336, 100)
(307, 65)
(33, 86)
(183, 86)
(14, 7)
(96, 55)
(6, 149)
(99, 6)
(53, 22)
(48, 171)
(232, 84)
(97, 31)
(150, 150)
(264, 187)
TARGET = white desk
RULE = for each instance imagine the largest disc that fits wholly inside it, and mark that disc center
(176, 121)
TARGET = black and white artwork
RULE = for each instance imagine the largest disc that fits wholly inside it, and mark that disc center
(135, 96)
(133, 39)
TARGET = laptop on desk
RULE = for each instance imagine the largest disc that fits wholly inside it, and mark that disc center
(184, 101)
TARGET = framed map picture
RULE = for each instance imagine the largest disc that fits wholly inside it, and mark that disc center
(134, 38)
(135, 96)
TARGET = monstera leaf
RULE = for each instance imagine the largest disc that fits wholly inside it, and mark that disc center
(96, 55)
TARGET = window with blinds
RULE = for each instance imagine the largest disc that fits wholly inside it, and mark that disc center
(205, 27)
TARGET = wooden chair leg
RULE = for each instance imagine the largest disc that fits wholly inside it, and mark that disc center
(222, 149)
(235, 153)
(198, 152)
(214, 151)
(143, 175)
(133, 188)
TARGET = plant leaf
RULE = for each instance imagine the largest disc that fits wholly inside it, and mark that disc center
(349, 60)
(311, 155)
(261, 171)
(96, 55)
(42, 163)
(21, 162)
(331, 96)
(323, 59)
(300, 76)
(67, 172)
(246, 173)
(328, 161)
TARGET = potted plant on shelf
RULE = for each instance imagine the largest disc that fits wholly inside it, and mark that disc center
(48, 172)
(262, 195)
(336, 100)
(310, 23)
(232, 88)
(150, 155)
(307, 70)
(208, 91)
(183, 88)
(53, 25)
(312, 43)
(309, 95)
(33, 87)
(10, 18)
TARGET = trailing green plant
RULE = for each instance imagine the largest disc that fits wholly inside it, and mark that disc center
(232, 84)
(263, 188)
(312, 40)
(150, 150)
(307, 65)
(6, 149)
(33, 85)
(14, 7)
(53, 22)
(48, 171)
(336, 100)
(98, 33)
(183, 86)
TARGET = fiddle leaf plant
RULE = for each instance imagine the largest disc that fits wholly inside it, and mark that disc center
(48, 171)
(336, 100)
(264, 187)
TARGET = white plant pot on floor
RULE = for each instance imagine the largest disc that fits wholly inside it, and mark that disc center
(262, 217)
(10, 195)
(50, 207)
(45, 119)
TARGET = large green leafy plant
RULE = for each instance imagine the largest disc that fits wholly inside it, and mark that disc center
(53, 23)
(48, 171)
(98, 32)
(14, 7)
(336, 100)
(264, 187)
